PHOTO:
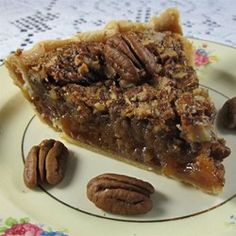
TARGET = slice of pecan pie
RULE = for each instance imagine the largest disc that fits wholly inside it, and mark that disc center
(131, 91)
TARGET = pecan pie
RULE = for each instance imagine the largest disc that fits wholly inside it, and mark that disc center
(130, 91)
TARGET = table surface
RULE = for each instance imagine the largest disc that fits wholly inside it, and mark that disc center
(24, 22)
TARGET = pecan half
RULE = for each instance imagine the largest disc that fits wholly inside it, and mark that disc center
(45, 163)
(30, 170)
(119, 43)
(120, 194)
(144, 55)
(56, 163)
(228, 114)
(45, 146)
(121, 64)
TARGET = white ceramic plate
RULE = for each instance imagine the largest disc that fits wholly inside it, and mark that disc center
(178, 210)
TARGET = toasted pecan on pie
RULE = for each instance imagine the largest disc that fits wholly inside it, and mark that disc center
(130, 91)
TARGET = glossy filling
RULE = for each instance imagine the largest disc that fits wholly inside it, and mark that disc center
(136, 96)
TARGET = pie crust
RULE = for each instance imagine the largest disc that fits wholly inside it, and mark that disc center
(129, 91)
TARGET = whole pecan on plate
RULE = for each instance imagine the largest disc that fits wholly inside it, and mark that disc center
(45, 163)
(120, 194)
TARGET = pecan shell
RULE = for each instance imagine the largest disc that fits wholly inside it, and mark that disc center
(120, 194)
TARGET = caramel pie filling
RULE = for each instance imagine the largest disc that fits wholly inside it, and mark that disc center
(134, 95)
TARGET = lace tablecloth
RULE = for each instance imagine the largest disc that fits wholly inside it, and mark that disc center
(24, 22)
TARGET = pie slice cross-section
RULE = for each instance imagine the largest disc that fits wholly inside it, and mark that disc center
(129, 91)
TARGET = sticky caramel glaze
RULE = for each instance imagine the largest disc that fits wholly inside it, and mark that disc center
(153, 153)
(134, 140)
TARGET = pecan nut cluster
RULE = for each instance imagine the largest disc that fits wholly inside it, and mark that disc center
(128, 59)
(120, 194)
(45, 163)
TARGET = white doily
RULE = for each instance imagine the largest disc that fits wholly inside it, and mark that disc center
(24, 22)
